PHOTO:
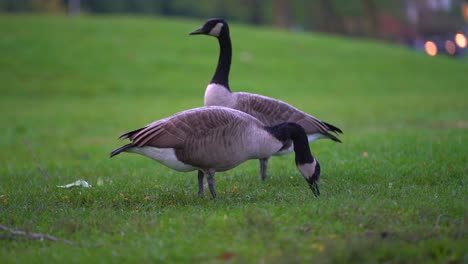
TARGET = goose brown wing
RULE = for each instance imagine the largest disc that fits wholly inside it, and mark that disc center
(272, 112)
(173, 131)
(162, 134)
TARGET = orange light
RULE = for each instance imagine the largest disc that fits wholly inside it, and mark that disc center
(460, 39)
(431, 48)
(465, 10)
(450, 47)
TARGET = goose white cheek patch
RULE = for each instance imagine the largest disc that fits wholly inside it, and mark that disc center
(307, 169)
(216, 30)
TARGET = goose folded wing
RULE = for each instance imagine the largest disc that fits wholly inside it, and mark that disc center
(160, 135)
(172, 132)
(272, 112)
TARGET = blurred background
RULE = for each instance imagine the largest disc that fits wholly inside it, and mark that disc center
(437, 27)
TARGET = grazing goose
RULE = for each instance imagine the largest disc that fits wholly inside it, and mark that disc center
(268, 110)
(211, 139)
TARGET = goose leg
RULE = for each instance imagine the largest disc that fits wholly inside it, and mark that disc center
(201, 190)
(211, 182)
(263, 168)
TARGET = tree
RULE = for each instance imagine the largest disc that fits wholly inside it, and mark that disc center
(49, 6)
(282, 13)
(256, 16)
(74, 7)
(331, 21)
(372, 16)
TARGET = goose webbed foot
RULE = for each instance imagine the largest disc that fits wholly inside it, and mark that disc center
(201, 190)
(211, 183)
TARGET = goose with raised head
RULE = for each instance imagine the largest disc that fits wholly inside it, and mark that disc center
(268, 110)
(214, 139)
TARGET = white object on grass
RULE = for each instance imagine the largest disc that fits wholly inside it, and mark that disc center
(81, 183)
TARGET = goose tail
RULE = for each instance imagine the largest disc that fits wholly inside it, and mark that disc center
(333, 128)
(333, 137)
(121, 149)
(129, 134)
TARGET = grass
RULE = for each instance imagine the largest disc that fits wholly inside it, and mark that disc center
(394, 191)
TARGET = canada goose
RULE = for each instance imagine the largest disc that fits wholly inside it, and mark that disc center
(268, 110)
(212, 139)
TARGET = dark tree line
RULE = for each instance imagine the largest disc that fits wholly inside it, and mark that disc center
(353, 17)
(284, 13)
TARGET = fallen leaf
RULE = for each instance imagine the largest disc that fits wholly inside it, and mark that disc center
(306, 229)
(318, 247)
(226, 255)
(365, 154)
(147, 198)
(100, 182)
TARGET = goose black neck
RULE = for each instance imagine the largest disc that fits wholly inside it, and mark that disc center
(292, 131)
(221, 75)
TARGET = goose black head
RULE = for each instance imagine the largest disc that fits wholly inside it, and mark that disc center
(311, 173)
(213, 27)
(305, 162)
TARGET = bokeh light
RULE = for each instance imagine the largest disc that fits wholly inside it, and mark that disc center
(430, 48)
(460, 39)
(450, 47)
(465, 11)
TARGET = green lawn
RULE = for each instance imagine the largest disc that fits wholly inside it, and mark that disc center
(394, 191)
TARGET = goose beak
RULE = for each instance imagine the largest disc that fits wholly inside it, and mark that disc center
(197, 31)
(311, 173)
